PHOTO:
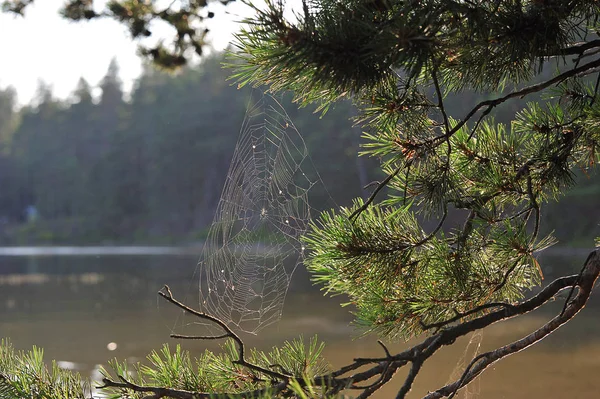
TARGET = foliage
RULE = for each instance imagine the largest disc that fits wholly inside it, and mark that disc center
(402, 279)
(216, 373)
(185, 18)
(25, 375)
(399, 62)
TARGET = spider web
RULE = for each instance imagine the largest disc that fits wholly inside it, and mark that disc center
(253, 246)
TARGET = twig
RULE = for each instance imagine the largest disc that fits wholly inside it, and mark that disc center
(576, 283)
(465, 373)
(228, 334)
(386, 375)
(490, 104)
(158, 392)
(434, 231)
(162, 392)
(379, 187)
(535, 206)
(460, 316)
(410, 378)
(440, 97)
(385, 349)
(580, 49)
(203, 337)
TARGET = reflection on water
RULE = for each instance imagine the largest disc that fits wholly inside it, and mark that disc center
(96, 251)
(87, 309)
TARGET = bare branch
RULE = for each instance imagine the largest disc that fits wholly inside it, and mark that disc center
(162, 392)
(229, 333)
(463, 315)
(410, 378)
(580, 48)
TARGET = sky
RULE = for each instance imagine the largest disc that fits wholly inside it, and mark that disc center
(44, 46)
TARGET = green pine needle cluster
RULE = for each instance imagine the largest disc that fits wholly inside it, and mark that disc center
(218, 373)
(401, 279)
(25, 375)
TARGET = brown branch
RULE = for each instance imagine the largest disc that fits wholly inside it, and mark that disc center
(199, 337)
(580, 48)
(157, 392)
(229, 333)
(410, 378)
(379, 187)
(572, 290)
(490, 104)
(584, 283)
(162, 392)
(462, 315)
(440, 97)
(386, 375)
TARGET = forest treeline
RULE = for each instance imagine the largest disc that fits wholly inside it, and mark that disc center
(149, 167)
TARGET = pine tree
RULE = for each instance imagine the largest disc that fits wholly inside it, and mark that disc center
(402, 62)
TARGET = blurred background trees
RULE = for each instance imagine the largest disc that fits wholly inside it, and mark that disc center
(150, 167)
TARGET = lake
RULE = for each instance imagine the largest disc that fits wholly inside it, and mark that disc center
(79, 304)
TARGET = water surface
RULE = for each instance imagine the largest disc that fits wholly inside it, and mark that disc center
(76, 304)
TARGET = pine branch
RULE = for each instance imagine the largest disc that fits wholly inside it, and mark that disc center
(372, 197)
(584, 283)
(229, 333)
(427, 348)
(490, 104)
(163, 392)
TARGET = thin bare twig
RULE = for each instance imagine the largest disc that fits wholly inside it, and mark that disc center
(462, 315)
(163, 392)
(379, 187)
(440, 97)
(229, 333)
(410, 378)
(575, 285)
(490, 104)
